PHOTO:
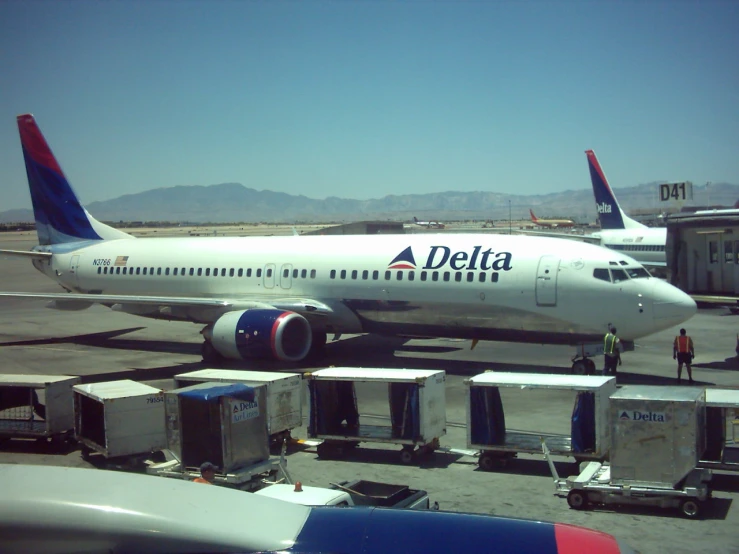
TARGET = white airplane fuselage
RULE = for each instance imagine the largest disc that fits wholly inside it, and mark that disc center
(467, 286)
(646, 245)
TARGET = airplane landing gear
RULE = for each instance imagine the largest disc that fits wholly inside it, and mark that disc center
(583, 366)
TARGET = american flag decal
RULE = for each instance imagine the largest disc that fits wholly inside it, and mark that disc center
(121, 260)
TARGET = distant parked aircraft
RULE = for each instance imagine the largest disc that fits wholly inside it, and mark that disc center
(551, 222)
(429, 224)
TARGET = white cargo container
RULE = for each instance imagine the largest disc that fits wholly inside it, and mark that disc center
(417, 400)
(36, 406)
(589, 436)
(284, 394)
(722, 430)
(119, 418)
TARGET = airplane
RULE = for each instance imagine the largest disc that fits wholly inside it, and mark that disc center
(429, 224)
(551, 222)
(618, 231)
(49, 510)
(278, 297)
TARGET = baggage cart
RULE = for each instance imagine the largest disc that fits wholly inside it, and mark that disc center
(119, 418)
(657, 439)
(589, 436)
(37, 406)
(248, 478)
(417, 406)
(221, 423)
(284, 402)
(722, 430)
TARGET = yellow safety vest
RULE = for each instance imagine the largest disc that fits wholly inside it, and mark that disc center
(609, 343)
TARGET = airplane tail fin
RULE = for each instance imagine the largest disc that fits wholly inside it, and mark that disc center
(610, 213)
(60, 218)
(533, 217)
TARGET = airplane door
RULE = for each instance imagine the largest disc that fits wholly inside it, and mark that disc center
(546, 281)
(73, 265)
(269, 276)
(286, 280)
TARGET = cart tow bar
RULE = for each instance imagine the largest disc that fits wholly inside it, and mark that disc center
(553, 469)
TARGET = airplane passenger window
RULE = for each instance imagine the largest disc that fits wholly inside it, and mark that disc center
(332, 275)
(259, 272)
(215, 272)
(423, 276)
(269, 273)
(192, 271)
(482, 276)
(446, 275)
(151, 271)
(638, 273)
(100, 270)
(223, 272)
(296, 273)
(365, 274)
(494, 278)
(375, 275)
(138, 271)
(207, 272)
(175, 271)
(304, 274)
(388, 274)
(286, 273)
(618, 275)
(200, 271)
(166, 271)
(354, 274)
(231, 272)
(144, 271)
(248, 272)
(182, 272)
(602, 274)
(470, 276)
(411, 275)
(239, 273)
(312, 273)
(105, 270)
(457, 276)
(343, 273)
(399, 275)
(435, 276)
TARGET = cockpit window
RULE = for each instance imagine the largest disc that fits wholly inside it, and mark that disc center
(638, 273)
(612, 263)
(602, 274)
(623, 262)
(618, 275)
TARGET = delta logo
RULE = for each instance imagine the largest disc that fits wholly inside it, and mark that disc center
(439, 256)
(604, 208)
(636, 415)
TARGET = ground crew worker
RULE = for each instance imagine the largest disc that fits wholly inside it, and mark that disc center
(207, 474)
(611, 350)
(682, 350)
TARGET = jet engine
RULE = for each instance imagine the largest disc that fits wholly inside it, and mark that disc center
(261, 333)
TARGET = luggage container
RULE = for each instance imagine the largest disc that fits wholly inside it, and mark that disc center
(722, 430)
(225, 424)
(589, 436)
(119, 418)
(658, 434)
(37, 406)
(417, 402)
(284, 402)
(656, 441)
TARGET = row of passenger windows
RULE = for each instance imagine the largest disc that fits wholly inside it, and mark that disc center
(637, 247)
(207, 272)
(618, 275)
(411, 275)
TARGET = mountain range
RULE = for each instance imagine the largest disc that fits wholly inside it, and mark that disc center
(235, 203)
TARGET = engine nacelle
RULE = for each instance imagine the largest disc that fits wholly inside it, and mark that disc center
(261, 333)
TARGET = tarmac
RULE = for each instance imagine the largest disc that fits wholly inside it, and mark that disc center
(101, 345)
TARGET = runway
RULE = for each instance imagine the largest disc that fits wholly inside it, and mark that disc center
(98, 344)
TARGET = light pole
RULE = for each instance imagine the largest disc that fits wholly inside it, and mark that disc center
(509, 218)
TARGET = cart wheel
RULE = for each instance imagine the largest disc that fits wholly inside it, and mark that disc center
(486, 462)
(590, 366)
(406, 456)
(577, 500)
(580, 367)
(325, 450)
(690, 507)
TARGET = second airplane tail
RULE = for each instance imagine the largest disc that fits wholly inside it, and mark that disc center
(60, 218)
(609, 212)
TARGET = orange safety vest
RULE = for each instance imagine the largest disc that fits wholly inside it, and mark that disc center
(201, 480)
(683, 344)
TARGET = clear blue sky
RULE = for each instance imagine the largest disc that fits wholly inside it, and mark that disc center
(366, 99)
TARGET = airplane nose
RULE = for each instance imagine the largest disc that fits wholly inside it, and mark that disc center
(671, 305)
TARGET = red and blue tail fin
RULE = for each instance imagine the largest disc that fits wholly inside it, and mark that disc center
(60, 218)
(609, 212)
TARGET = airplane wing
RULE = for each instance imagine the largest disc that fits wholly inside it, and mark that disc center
(305, 306)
